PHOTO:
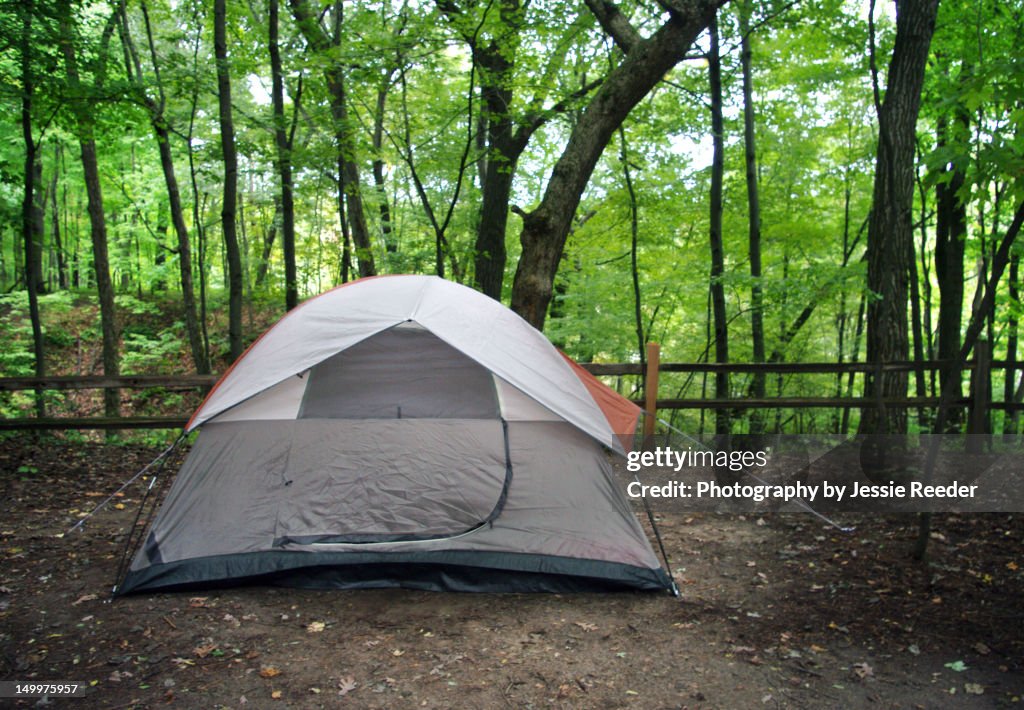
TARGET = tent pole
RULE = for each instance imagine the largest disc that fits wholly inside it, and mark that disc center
(163, 455)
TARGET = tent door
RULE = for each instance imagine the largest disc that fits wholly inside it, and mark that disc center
(402, 480)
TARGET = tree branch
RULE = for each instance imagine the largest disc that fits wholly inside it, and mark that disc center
(615, 24)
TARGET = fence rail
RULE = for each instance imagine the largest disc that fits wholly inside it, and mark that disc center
(978, 400)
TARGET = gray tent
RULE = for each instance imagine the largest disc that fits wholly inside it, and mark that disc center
(402, 431)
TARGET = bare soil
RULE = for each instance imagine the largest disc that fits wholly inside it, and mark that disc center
(777, 611)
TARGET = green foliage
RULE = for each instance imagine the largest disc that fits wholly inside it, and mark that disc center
(16, 357)
(416, 104)
(160, 353)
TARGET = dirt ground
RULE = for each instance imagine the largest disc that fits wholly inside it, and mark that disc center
(777, 611)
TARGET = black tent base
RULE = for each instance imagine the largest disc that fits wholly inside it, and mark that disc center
(427, 571)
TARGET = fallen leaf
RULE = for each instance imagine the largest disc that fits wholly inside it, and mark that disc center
(346, 685)
(315, 627)
(229, 618)
(398, 652)
(958, 666)
(204, 650)
(1012, 566)
(198, 602)
(269, 672)
(276, 695)
(84, 598)
(586, 626)
(863, 670)
(982, 649)
(974, 689)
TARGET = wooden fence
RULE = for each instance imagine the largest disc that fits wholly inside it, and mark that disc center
(979, 402)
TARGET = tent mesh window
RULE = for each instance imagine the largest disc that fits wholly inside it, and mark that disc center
(402, 373)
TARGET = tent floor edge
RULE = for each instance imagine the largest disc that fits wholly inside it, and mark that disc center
(449, 571)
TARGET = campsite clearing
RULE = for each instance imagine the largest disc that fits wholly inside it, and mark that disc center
(778, 611)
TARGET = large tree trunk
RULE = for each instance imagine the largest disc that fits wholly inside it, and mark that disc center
(890, 235)
(546, 227)
(284, 169)
(227, 213)
(754, 216)
(97, 219)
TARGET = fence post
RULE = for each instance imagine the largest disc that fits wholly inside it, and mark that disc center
(651, 389)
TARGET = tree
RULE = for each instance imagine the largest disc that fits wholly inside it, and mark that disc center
(753, 213)
(890, 245)
(349, 186)
(82, 109)
(721, 324)
(32, 218)
(227, 142)
(284, 139)
(645, 62)
(155, 109)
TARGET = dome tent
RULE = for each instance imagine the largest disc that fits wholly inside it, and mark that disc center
(402, 431)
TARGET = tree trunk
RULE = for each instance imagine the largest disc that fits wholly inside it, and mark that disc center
(58, 245)
(162, 133)
(97, 219)
(1011, 417)
(284, 169)
(38, 223)
(390, 245)
(634, 243)
(917, 339)
(890, 235)
(29, 222)
(497, 61)
(348, 167)
(227, 213)
(950, 238)
(269, 237)
(753, 218)
(546, 228)
(722, 426)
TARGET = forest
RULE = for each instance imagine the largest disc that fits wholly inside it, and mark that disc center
(795, 199)
(750, 182)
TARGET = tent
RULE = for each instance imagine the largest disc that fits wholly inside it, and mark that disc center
(402, 431)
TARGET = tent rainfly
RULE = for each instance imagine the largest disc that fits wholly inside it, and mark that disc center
(402, 431)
